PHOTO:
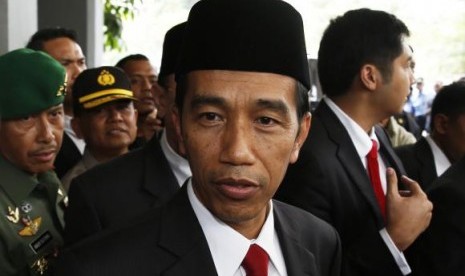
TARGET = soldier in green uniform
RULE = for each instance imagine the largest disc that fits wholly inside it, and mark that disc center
(32, 201)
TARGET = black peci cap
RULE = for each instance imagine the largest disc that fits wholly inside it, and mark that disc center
(171, 47)
(97, 86)
(245, 35)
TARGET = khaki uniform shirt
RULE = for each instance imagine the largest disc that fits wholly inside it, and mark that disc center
(31, 220)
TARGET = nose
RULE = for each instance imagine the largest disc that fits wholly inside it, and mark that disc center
(45, 130)
(237, 144)
(75, 70)
(114, 114)
(146, 84)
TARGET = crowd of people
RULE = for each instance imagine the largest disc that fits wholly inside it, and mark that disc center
(215, 166)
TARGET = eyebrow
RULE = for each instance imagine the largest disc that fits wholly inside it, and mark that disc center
(275, 105)
(200, 100)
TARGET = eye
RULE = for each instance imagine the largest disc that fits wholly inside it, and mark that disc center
(56, 113)
(210, 116)
(267, 121)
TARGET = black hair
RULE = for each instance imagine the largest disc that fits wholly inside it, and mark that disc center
(450, 101)
(136, 57)
(358, 37)
(37, 40)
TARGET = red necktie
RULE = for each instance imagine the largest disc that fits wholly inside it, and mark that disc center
(373, 172)
(255, 262)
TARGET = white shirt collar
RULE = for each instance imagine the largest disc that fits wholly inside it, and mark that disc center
(360, 139)
(178, 164)
(80, 144)
(441, 161)
(228, 247)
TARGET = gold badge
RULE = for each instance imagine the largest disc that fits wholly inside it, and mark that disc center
(13, 215)
(40, 265)
(105, 78)
(31, 226)
(62, 89)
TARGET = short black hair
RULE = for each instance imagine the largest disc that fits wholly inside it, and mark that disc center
(37, 40)
(450, 101)
(135, 57)
(358, 37)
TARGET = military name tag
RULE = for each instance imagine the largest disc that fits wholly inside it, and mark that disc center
(41, 242)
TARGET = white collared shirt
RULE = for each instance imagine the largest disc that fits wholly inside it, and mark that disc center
(362, 142)
(178, 164)
(228, 247)
(441, 162)
(80, 144)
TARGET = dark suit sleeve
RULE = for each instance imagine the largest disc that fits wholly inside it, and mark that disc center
(440, 250)
(81, 219)
(313, 189)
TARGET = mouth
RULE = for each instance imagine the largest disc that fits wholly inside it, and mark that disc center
(44, 156)
(237, 189)
(147, 101)
(116, 131)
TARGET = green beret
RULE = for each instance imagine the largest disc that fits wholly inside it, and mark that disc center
(30, 82)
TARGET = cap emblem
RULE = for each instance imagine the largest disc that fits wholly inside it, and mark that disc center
(105, 78)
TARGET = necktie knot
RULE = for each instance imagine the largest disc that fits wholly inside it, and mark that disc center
(374, 150)
(255, 262)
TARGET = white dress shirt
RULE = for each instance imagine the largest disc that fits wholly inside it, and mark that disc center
(362, 142)
(80, 144)
(441, 162)
(178, 164)
(228, 247)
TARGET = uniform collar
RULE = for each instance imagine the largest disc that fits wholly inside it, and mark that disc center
(17, 183)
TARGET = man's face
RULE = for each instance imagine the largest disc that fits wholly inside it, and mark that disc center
(108, 129)
(394, 93)
(70, 55)
(32, 143)
(240, 131)
(144, 85)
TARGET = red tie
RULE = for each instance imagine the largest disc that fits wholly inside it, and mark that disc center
(255, 262)
(373, 172)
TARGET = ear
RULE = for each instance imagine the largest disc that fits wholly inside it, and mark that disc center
(440, 123)
(76, 126)
(305, 124)
(370, 76)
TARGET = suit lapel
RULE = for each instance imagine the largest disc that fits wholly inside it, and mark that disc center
(426, 159)
(299, 261)
(348, 157)
(182, 236)
(388, 153)
(159, 179)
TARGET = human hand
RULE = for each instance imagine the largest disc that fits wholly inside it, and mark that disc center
(150, 125)
(408, 212)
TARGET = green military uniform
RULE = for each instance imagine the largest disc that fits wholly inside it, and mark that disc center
(31, 205)
(31, 221)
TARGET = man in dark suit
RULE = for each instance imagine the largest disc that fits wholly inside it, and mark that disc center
(365, 75)
(146, 177)
(440, 250)
(62, 45)
(432, 155)
(243, 114)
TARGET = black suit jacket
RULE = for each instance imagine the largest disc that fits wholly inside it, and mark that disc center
(440, 250)
(118, 190)
(329, 180)
(169, 241)
(67, 157)
(418, 161)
